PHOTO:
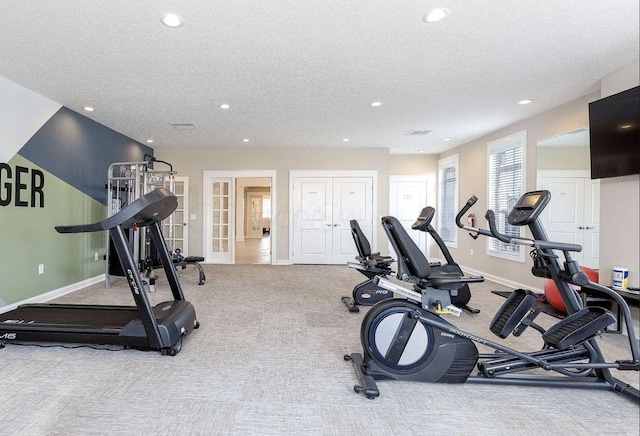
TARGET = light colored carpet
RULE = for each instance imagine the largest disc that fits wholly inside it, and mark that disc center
(268, 360)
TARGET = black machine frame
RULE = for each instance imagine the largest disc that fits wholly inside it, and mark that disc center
(160, 328)
(449, 354)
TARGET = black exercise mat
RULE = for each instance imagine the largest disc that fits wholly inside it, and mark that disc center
(541, 303)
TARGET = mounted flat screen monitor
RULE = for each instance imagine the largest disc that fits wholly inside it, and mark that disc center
(614, 130)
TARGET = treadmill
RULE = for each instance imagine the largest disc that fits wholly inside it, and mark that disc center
(160, 328)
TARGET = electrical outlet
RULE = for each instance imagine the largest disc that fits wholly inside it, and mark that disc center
(471, 251)
(96, 256)
(41, 268)
(193, 217)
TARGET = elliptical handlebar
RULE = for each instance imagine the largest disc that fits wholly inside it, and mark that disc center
(493, 232)
(464, 210)
(491, 218)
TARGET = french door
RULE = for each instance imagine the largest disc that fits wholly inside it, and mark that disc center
(321, 210)
(176, 230)
(219, 222)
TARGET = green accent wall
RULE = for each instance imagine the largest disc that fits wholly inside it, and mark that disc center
(30, 239)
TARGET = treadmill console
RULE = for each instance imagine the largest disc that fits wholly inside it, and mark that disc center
(528, 208)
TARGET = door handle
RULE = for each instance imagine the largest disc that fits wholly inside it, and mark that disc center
(580, 227)
(328, 225)
(336, 225)
(588, 228)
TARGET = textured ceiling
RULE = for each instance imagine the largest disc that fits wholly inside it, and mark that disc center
(304, 73)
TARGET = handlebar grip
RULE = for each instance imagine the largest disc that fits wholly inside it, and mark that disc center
(470, 202)
(491, 217)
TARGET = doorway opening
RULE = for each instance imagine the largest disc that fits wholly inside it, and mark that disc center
(253, 220)
(239, 220)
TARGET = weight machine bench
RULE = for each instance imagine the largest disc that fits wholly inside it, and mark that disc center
(180, 261)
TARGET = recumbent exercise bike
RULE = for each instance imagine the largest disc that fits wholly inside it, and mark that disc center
(373, 265)
(409, 340)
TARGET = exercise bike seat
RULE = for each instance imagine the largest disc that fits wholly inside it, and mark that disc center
(413, 266)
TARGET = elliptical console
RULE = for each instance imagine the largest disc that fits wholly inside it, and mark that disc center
(528, 208)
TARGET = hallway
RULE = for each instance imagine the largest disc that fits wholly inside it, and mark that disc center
(254, 251)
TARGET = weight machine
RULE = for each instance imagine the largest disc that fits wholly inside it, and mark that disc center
(128, 181)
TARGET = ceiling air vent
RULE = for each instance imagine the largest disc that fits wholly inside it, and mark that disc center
(417, 132)
(184, 126)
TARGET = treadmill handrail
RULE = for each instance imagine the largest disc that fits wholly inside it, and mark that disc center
(146, 210)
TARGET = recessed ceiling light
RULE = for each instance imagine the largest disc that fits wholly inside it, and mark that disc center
(376, 104)
(345, 140)
(525, 101)
(224, 106)
(172, 20)
(150, 141)
(88, 108)
(422, 151)
(626, 126)
(447, 138)
(435, 15)
(245, 140)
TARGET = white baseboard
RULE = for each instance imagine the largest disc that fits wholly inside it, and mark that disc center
(47, 296)
(281, 262)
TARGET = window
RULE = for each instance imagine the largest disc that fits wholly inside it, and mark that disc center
(448, 200)
(506, 159)
(266, 207)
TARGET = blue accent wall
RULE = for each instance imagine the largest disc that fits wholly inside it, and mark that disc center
(79, 151)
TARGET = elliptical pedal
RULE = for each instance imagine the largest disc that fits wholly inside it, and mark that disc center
(578, 327)
(512, 312)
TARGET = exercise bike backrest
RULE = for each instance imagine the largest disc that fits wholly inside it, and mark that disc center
(362, 243)
(413, 266)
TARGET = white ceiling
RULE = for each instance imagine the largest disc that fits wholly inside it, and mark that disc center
(304, 73)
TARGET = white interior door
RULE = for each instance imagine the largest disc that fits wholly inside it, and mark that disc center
(322, 209)
(572, 215)
(353, 200)
(177, 231)
(591, 224)
(219, 222)
(406, 199)
(312, 220)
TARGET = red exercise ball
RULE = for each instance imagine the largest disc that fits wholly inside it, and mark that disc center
(552, 294)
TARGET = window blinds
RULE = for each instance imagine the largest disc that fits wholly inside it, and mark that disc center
(505, 188)
(448, 204)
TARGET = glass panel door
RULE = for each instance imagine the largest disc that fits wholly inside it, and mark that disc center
(176, 230)
(219, 225)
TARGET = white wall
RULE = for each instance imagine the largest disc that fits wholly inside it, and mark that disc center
(619, 201)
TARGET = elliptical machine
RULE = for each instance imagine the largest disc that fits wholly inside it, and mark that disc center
(409, 340)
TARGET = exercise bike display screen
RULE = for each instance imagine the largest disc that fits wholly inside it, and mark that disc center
(528, 207)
